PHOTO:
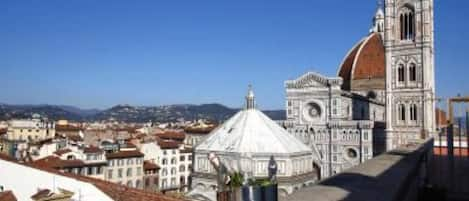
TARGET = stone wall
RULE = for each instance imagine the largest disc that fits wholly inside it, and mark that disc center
(395, 175)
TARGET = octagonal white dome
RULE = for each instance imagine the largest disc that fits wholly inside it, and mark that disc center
(251, 131)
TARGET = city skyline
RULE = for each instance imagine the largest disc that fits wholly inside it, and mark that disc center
(97, 55)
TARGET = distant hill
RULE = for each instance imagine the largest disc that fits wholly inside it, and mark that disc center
(79, 111)
(26, 111)
(127, 113)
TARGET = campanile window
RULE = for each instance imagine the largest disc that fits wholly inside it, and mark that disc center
(407, 23)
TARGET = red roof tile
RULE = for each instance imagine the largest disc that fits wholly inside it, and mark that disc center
(115, 191)
(62, 151)
(172, 135)
(440, 116)
(366, 60)
(345, 70)
(370, 60)
(75, 138)
(124, 154)
(92, 149)
(57, 163)
(65, 128)
(147, 165)
(7, 196)
(199, 130)
(44, 193)
(168, 144)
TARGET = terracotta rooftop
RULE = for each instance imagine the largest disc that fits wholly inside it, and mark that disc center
(62, 151)
(172, 135)
(168, 144)
(124, 154)
(57, 163)
(65, 128)
(92, 149)
(7, 196)
(366, 60)
(148, 165)
(115, 191)
(440, 116)
(75, 138)
(44, 193)
(196, 130)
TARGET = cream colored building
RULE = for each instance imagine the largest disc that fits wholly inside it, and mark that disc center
(125, 167)
(30, 130)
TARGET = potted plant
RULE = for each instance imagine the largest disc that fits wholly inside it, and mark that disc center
(236, 183)
(259, 190)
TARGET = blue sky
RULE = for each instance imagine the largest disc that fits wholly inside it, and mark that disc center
(96, 54)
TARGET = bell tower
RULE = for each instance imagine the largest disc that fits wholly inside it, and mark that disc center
(410, 75)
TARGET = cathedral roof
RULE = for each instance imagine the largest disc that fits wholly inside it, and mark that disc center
(251, 131)
(366, 60)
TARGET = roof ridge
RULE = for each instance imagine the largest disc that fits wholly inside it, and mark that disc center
(357, 55)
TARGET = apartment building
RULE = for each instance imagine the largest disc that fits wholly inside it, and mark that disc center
(30, 130)
(125, 167)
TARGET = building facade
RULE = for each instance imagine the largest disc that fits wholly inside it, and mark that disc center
(125, 167)
(383, 95)
(30, 130)
(174, 160)
(410, 73)
(338, 125)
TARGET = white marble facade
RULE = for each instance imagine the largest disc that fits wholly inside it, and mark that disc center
(245, 143)
(410, 73)
(338, 125)
(382, 97)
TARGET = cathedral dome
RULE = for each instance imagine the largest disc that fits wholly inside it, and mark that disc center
(364, 65)
(246, 143)
(251, 132)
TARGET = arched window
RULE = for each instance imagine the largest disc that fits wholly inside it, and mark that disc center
(173, 161)
(407, 23)
(165, 161)
(412, 72)
(173, 171)
(400, 73)
(402, 112)
(182, 168)
(164, 172)
(413, 112)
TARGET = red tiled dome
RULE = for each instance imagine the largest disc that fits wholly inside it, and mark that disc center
(365, 61)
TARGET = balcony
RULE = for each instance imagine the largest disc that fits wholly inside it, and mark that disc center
(401, 174)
